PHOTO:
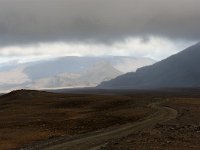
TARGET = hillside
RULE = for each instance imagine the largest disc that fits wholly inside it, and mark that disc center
(179, 70)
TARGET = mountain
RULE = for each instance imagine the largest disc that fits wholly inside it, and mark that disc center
(179, 70)
(74, 64)
(66, 71)
(102, 71)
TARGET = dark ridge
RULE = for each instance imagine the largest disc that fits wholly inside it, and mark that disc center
(179, 70)
(23, 93)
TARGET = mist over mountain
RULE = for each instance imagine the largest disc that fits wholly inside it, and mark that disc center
(74, 64)
(179, 70)
(67, 71)
(102, 71)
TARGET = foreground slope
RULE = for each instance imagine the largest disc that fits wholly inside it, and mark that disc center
(123, 119)
(180, 70)
(28, 116)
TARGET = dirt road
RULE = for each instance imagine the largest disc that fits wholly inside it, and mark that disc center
(96, 140)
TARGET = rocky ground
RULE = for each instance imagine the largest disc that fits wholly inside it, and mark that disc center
(29, 117)
(182, 133)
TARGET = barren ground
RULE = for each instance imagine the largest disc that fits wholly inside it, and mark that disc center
(182, 133)
(31, 118)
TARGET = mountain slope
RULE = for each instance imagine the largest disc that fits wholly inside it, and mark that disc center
(180, 70)
(74, 64)
(102, 71)
(66, 71)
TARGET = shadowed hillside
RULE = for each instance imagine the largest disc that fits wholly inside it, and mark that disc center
(180, 70)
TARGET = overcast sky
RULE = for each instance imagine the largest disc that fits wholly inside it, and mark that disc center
(141, 28)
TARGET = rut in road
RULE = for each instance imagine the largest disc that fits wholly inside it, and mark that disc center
(93, 141)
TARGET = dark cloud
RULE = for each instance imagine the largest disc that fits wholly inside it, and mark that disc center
(30, 21)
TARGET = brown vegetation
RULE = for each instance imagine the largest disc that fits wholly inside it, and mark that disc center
(30, 116)
(27, 117)
(181, 133)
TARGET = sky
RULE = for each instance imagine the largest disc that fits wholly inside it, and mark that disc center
(139, 28)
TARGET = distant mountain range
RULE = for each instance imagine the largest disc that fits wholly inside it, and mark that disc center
(66, 72)
(179, 70)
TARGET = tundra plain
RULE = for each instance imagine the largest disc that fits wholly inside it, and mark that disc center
(120, 119)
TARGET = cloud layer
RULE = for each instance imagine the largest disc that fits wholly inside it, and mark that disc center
(155, 48)
(97, 21)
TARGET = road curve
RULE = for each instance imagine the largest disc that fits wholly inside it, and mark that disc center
(94, 140)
